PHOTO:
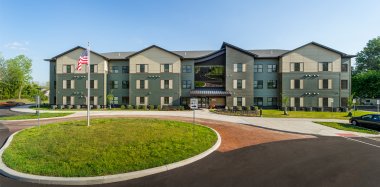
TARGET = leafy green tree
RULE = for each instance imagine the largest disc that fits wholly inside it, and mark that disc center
(369, 58)
(366, 84)
(110, 97)
(18, 74)
(285, 102)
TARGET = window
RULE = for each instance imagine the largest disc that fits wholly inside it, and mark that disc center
(115, 100)
(125, 69)
(344, 101)
(297, 66)
(272, 68)
(68, 99)
(272, 101)
(258, 101)
(344, 84)
(125, 100)
(186, 84)
(239, 84)
(114, 69)
(239, 101)
(68, 84)
(142, 99)
(325, 66)
(166, 100)
(125, 84)
(166, 84)
(68, 68)
(166, 67)
(92, 99)
(114, 84)
(272, 84)
(142, 68)
(239, 67)
(325, 83)
(92, 83)
(142, 84)
(258, 68)
(325, 102)
(344, 68)
(186, 69)
(93, 68)
(297, 84)
(258, 84)
(297, 102)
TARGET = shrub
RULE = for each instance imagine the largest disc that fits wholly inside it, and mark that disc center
(141, 107)
(159, 107)
(122, 107)
(349, 114)
(181, 108)
(256, 108)
(129, 107)
(144, 107)
(239, 108)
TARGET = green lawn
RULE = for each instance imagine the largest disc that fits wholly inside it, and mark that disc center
(108, 146)
(302, 114)
(347, 127)
(34, 116)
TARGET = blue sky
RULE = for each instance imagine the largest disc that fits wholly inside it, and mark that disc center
(42, 29)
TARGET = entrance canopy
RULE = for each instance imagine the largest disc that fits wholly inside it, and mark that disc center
(209, 92)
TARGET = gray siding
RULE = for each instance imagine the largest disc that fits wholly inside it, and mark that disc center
(265, 76)
(187, 76)
(80, 87)
(52, 92)
(154, 91)
(120, 77)
(232, 57)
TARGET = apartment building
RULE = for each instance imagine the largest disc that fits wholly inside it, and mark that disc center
(311, 75)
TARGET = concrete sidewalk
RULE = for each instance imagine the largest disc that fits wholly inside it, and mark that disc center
(295, 125)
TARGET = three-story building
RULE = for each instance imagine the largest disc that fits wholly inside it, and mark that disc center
(312, 75)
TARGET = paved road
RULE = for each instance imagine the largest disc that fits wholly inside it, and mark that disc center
(323, 161)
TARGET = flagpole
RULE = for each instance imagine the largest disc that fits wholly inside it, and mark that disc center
(89, 85)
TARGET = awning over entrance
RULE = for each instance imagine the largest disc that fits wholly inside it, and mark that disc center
(209, 92)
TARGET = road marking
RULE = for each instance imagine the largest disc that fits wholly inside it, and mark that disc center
(346, 135)
(361, 142)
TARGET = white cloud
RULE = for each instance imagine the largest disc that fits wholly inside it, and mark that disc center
(22, 46)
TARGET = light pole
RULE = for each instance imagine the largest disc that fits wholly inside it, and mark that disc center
(354, 102)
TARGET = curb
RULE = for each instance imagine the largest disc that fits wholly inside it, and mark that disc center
(8, 172)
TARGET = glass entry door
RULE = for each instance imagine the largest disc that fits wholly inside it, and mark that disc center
(203, 102)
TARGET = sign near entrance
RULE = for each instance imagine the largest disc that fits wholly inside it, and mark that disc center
(194, 103)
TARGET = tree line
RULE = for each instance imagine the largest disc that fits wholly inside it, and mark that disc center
(16, 80)
(366, 74)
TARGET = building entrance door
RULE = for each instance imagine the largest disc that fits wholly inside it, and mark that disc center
(203, 102)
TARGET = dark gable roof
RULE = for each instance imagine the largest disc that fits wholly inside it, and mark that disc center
(238, 48)
(322, 46)
(268, 53)
(261, 53)
(73, 49)
(153, 46)
(117, 55)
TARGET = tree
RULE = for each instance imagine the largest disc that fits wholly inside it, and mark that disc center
(366, 84)
(369, 58)
(110, 97)
(18, 74)
(285, 102)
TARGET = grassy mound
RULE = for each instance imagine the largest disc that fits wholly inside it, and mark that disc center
(108, 146)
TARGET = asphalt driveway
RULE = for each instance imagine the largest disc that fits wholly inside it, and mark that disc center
(323, 161)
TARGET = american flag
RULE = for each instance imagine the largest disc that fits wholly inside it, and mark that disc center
(83, 59)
